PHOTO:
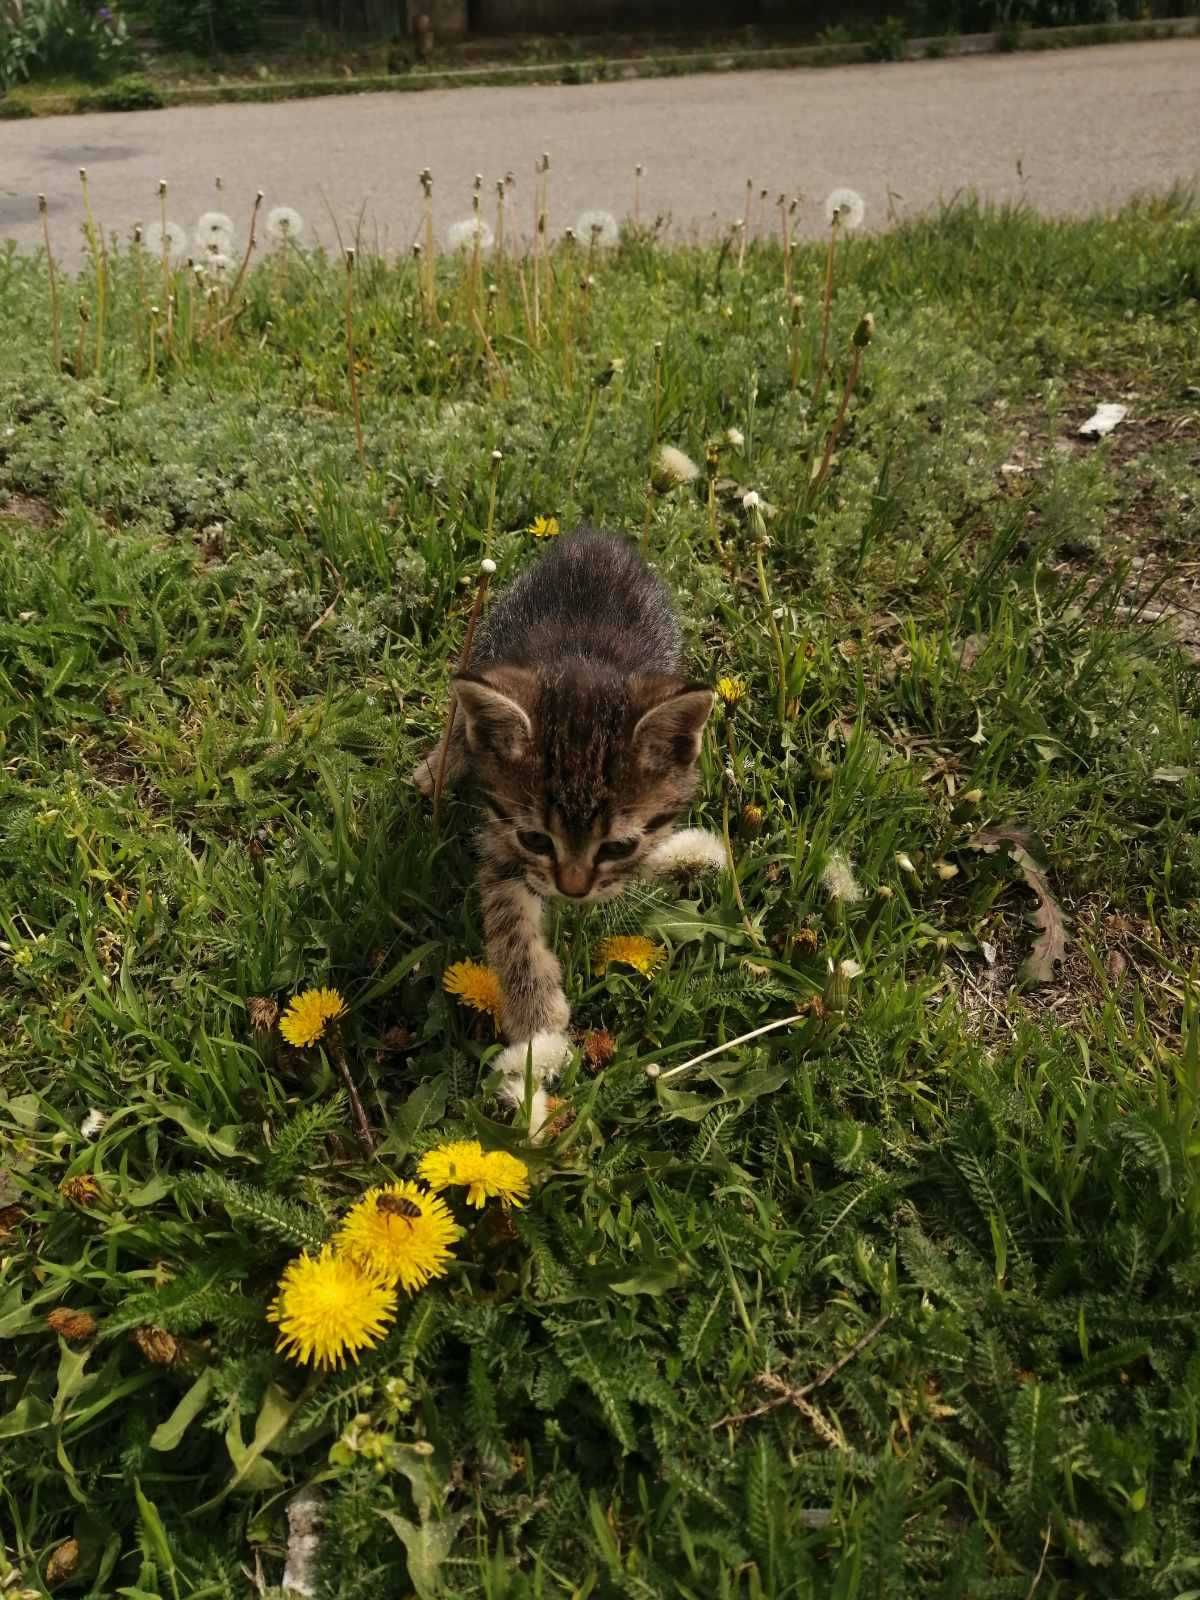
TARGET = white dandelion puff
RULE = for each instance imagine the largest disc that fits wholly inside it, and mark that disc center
(846, 207)
(735, 437)
(838, 880)
(672, 468)
(849, 968)
(463, 235)
(683, 854)
(214, 231)
(217, 264)
(173, 236)
(752, 501)
(285, 223)
(598, 227)
(92, 1125)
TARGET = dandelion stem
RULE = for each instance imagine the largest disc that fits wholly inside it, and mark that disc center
(856, 359)
(491, 354)
(362, 1126)
(164, 251)
(586, 435)
(785, 218)
(241, 272)
(350, 370)
(99, 265)
(55, 323)
(464, 661)
(741, 260)
(826, 306)
(732, 1044)
(776, 638)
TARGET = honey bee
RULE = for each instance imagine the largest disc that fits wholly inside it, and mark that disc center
(398, 1205)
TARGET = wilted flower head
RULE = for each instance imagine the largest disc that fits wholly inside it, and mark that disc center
(672, 468)
(598, 227)
(599, 1047)
(464, 235)
(173, 237)
(285, 222)
(263, 1012)
(838, 880)
(73, 1325)
(214, 231)
(845, 207)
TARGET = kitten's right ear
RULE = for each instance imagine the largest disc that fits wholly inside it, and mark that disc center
(495, 721)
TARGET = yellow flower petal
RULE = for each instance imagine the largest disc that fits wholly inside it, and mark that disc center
(544, 527)
(486, 1175)
(382, 1233)
(476, 986)
(309, 1014)
(328, 1308)
(631, 950)
(731, 690)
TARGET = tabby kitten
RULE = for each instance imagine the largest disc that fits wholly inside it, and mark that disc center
(583, 734)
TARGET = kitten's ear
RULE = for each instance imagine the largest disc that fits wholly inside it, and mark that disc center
(495, 721)
(668, 735)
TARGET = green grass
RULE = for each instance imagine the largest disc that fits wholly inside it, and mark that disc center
(224, 643)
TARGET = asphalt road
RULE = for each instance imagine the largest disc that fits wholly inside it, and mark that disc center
(1068, 131)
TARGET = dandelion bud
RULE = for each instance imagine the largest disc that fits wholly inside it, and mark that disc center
(885, 891)
(736, 438)
(904, 862)
(497, 456)
(639, 169)
(83, 174)
(945, 870)
(865, 331)
(488, 568)
(416, 250)
(972, 797)
(652, 1069)
(162, 186)
(42, 204)
(64, 1559)
(753, 818)
(478, 182)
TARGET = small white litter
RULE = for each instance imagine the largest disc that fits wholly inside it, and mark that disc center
(1103, 420)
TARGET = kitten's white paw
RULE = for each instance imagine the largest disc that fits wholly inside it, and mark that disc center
(545, 1054)
(683, 854)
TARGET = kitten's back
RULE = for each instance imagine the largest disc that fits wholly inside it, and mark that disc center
(592, 596)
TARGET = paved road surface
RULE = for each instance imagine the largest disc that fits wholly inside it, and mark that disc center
(1068, 131)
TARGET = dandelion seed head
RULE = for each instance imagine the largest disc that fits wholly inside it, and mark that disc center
(673, 468)
(687, 854)
(751, 501)
(465, 234)
(736, 438)
(214, 230)
(285, 222)
(598, 226)
(328, 1309)
(846, 208)
(174, 237)
(838, 880)
(488, 567)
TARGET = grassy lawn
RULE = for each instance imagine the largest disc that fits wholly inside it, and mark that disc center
(896, 1300)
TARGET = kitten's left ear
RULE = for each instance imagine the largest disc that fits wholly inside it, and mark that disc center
(669, 733)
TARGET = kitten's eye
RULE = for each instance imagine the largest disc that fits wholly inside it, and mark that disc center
(616, 849)
(541, 844)
(660, 821)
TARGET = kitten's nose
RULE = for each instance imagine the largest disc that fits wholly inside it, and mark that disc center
(573, 879)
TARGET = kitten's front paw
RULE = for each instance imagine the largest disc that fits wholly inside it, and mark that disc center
(424, 774)
(543, 1057)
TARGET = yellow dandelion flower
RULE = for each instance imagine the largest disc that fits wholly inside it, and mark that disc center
(476, 986)
(485, 1174)
(544, 528)
(505, 1178)
(328, 1309)
(731, 690)
(631, 950)
(401, 1233)
(309, 1014)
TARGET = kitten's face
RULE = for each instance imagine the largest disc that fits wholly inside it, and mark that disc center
(582, 773)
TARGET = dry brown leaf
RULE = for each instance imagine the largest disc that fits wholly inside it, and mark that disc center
(1050, 947)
